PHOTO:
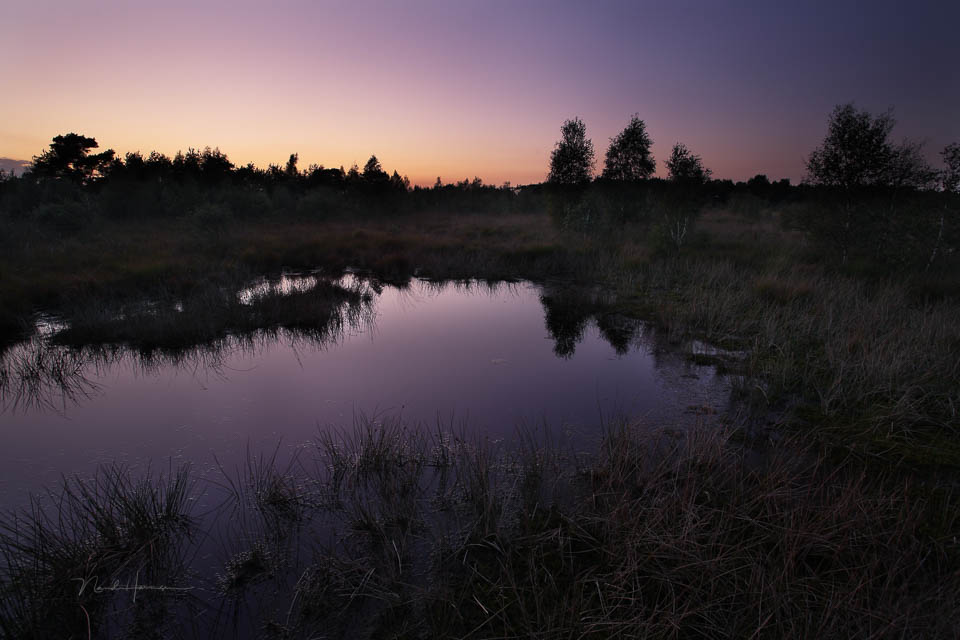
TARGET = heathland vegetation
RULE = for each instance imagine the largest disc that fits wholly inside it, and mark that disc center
(839, 297)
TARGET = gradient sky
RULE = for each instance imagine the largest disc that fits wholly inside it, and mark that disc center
(461, 89)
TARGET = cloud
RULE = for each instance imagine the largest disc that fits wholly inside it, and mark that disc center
(16, 166)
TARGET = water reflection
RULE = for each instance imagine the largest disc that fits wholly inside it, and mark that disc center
(290, 356)
(568, 310)
(59, 366)
(36, 375)
(53, 370)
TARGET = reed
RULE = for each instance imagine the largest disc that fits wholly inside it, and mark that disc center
(402, 531)
(66, 560)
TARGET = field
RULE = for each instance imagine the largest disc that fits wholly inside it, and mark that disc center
(825, 507)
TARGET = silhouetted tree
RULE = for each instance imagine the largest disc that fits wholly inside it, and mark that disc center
(948, 222)
(248, 175)
(353, 174)
(134, 166)
(374, 181)
(399, 184)
(186, 165)
(951, 173)
(909, 169)
(857, 152)
(683, 166)
(158, 166)
(291, 169)
(69, 157)
(318, 176)
(571, 161)
(275, 174)
(373, 172)
(214, 165)
(628, 157)
(865, 175)
(681, 206)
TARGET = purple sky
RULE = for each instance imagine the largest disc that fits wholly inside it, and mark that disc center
(459, 89)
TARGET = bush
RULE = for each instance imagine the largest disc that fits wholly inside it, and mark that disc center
(247, 203)
(319, 204)
(67, 218)
(127, 200)
(210, 216)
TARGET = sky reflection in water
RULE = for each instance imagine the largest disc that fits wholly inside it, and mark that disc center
(474, 358)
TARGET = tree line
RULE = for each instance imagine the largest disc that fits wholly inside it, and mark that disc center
(856, 153)
(864, 197)
(69, 158)
(72, 182)
(628, 158)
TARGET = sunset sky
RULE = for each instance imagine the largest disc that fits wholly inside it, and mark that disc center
(460, 89)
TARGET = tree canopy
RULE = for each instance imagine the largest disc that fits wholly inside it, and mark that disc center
(571, 161)
(684, 166)
(69, 157)
(373, 171)
(857, 152)
(290, 170)
(951, 175)
(628, 156)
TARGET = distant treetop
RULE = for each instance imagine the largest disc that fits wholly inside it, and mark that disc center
(69, 157)
(951, 174)
(373, 171)
(628, 157)
(683, 166)
(571, 161)
(857, 152)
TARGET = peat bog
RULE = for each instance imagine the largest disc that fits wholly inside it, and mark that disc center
(810, 492)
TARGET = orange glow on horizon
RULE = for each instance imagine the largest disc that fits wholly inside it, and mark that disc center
(455, 90)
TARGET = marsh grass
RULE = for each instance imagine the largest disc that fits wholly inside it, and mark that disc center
(211, 313)
(388, 530)
(865, 360)
(133, 260)
(57, 367)
(866, 367)
(34, 376)
(62, 559)
(837, 531)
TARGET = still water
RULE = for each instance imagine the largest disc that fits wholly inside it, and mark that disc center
(471, 357)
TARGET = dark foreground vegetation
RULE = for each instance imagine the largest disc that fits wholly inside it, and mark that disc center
(385, 532)
(837, 300)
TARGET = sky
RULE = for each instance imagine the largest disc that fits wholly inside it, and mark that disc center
(459, 88)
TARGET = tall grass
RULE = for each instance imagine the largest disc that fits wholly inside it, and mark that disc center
(33, 376)
(66, 561)
(54, 369)
(212, 312)
(867, 365)
(397, 531)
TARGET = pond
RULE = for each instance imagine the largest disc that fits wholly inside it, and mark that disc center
(472, 357)
(335, 436)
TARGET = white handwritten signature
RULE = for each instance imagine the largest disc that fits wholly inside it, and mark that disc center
(94, 583)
